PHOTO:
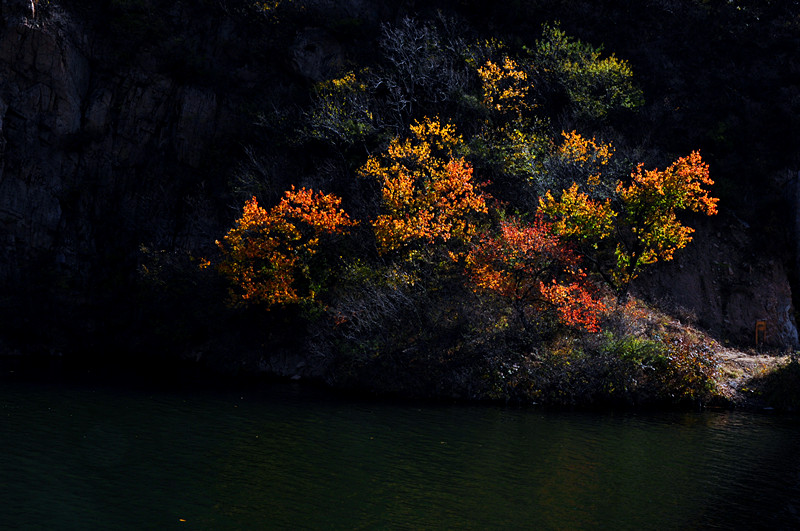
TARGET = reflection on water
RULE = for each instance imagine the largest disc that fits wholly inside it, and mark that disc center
(287, 457)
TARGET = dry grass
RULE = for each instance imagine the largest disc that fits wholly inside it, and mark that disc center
(740, 373)
(739, 370)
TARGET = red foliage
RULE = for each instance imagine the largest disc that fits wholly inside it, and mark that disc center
(528, 263)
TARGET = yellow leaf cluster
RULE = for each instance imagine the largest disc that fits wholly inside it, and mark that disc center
(347, 82)
(585, 153)
(428, 193)
(505, 86)
(575, 215)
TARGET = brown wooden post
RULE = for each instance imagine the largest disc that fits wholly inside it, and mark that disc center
(761, 329)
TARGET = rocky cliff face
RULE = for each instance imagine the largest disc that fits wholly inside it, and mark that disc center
(44, 79)
(725, 283)
(99, 156)
(94, 159)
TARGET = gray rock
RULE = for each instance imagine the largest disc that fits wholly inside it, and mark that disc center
(726, 286)
(316, 56)
(17, 8)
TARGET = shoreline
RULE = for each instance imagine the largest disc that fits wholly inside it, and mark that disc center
(743, 381)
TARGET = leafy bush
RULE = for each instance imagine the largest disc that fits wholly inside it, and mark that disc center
(271, 257)
(675, 370)
(685, 371)
(341, 112)
(593, 86)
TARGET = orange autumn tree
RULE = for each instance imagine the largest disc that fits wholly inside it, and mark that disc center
(643, 226)
(428, 193)
(650, 204)
(269, 255)
(539, 273)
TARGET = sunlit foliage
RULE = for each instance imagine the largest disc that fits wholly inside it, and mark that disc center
(517, 273)
(505, 86)
(268, 254)
(643, 227)
(529, 264)
(595, 86)
(521, 150)
(575, 215)
(428, 194)
(650, 204)
(587, 155)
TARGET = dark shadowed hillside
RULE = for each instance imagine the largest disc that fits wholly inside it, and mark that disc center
(133, 131)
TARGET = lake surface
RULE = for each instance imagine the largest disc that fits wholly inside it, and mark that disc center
(281, 456)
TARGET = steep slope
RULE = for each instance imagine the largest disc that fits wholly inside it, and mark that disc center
(113, 141)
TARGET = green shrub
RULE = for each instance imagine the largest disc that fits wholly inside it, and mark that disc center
(686, 371)
(632, 348)
(594, 87)
(649, 370)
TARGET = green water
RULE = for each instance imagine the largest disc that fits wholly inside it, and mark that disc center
(286, 457)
